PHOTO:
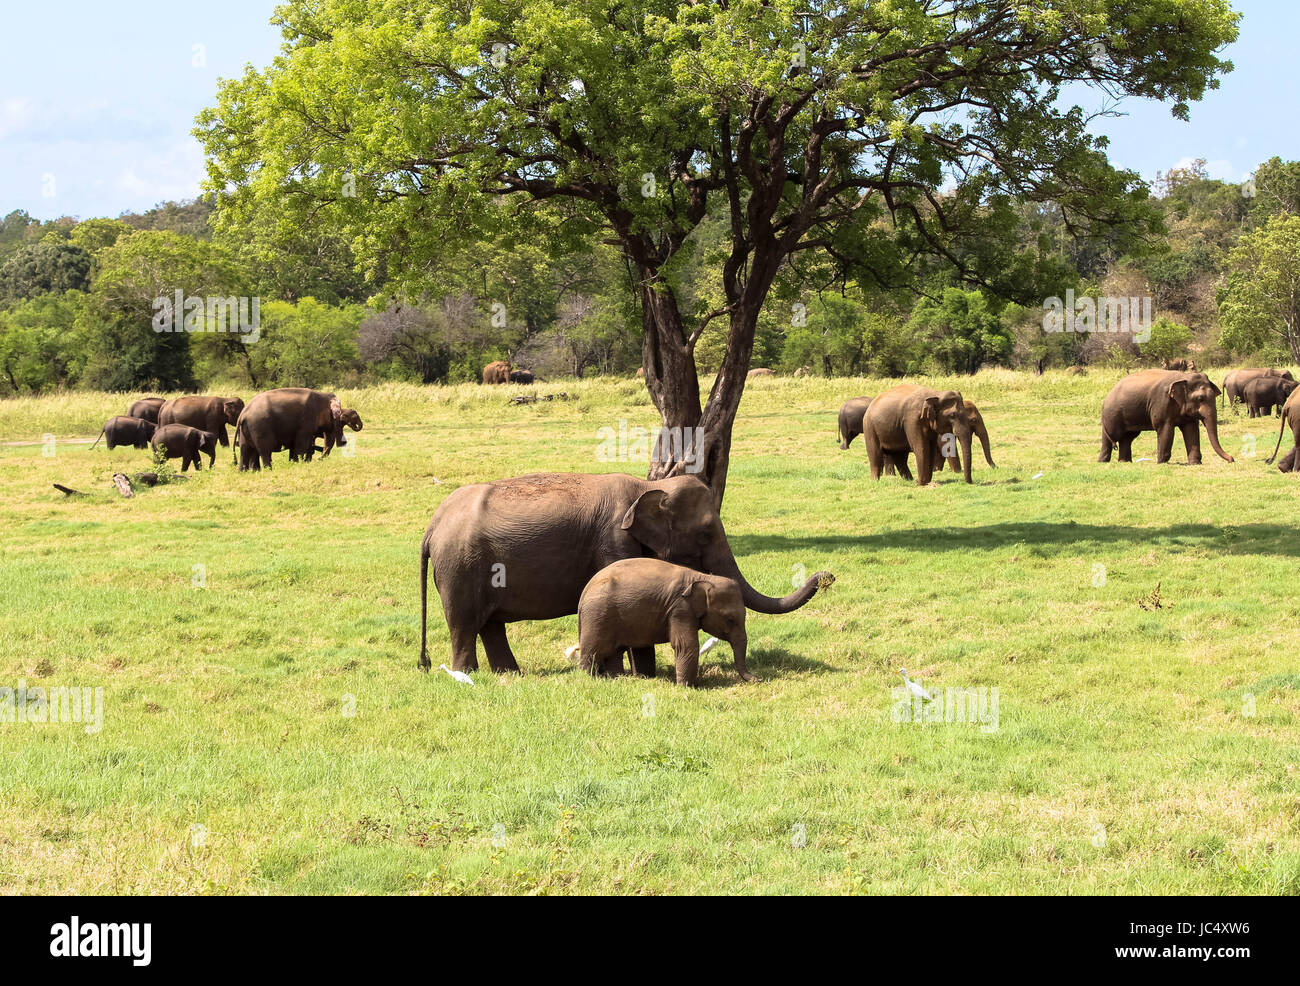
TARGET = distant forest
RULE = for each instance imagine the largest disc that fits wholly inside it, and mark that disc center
(77, 301)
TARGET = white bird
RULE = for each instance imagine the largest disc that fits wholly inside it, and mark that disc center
(914, 688)
(708, 645)
(460, 676)
(1037, 475)
(572, 652)
(1145, 458)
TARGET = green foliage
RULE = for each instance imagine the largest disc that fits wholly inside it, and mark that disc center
(1260, 308)
(307, 344)
(123, 350)
(44, 267)
(1168, 340)
(38, 345)
(964, 332)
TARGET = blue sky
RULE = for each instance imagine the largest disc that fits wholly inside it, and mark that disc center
(97, 101)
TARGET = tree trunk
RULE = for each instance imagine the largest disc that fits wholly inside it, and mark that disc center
(696, 443)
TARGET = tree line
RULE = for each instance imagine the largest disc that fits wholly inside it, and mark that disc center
(77, 297)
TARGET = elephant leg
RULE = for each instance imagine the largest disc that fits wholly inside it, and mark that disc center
(643, 661)
(1164, 442)
(898, 461)
(221, 435)
(613, 665)
(463, 655)
(921, 449)
(500, 658)
(685, 637)
(1192, 442)
(875, 454)
(1126, 446)
(1107, 445)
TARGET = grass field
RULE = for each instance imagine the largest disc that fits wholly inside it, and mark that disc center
(265, 729)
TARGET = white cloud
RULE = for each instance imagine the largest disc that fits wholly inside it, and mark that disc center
(15, 113)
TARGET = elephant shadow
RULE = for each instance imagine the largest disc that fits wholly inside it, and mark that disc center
(716, 669)
(1239, 539)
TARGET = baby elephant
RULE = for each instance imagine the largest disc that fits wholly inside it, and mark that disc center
(126, 430)
(186, 443)
(636, 603)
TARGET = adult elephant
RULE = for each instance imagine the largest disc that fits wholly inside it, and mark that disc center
(147, 408)
(1234, 384)
(1290, 419)
(522, 376)
(290, 418)
(1263, 394)
(1160, 401)
(126, 430)
(497, 372)
(204, 413)
(525, 548)
(187, 444)
(908, 419)
(850, 420)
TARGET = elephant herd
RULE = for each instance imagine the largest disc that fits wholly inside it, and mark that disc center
(500, 371)
(184, 428)
(908, 420)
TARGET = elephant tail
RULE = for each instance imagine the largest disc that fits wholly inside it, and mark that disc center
(424, 604)
(96, 441)
(1281, 425)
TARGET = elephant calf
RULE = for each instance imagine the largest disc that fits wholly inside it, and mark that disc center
(186, 443)
(126, 430)
(636, 603)
(850, 421)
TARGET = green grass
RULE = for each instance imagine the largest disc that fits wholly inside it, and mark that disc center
(1126, 758)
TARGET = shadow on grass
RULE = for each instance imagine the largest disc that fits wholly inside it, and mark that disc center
(766, 662)
(1242, 539)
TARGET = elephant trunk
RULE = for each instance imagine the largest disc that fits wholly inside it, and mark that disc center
(1212, 432)
(725, 565)
(738, 643)
(984, 441)
(963, 435)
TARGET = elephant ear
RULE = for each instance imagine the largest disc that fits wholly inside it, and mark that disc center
(336, 410)
(930, 412)
(951, 404)
(1178, 393)
(232, 410)
(700, 596)
(650, 521)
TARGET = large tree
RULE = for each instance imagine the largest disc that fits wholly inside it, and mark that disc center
(888, 135)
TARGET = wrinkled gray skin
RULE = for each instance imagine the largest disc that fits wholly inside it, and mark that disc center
(976, 422)
(290, 418)
(913, 420)
(126, 430)
(187, 444)
(1291, 419)
(204, 413)
(638, 602)
(850, 420)
(525, 548)
(1160, 401)
(1234, 384)
(1263, 394)
(147, 408)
